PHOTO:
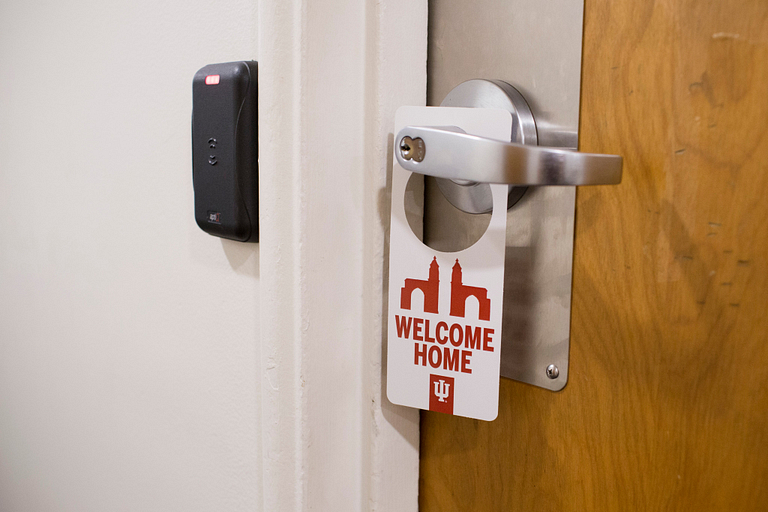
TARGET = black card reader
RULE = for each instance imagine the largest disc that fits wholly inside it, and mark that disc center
(225, 156)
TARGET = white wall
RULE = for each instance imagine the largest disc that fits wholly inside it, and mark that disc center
(331, 75)
(145, 365)
(129, 356)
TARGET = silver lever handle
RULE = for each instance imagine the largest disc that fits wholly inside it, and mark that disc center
(443, 153)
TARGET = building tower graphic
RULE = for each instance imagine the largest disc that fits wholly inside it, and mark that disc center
(430, 288)
(460, 292)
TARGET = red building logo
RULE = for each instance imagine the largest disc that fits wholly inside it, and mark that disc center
(459, 293)
(441, 394)
(430, 288)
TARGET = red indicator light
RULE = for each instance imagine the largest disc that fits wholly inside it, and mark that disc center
(212, 80)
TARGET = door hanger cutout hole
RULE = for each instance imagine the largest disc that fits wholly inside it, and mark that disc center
(423, 200)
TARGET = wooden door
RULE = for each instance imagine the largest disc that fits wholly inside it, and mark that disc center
(666, 407)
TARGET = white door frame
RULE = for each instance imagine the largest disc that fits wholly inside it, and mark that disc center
(331, 75)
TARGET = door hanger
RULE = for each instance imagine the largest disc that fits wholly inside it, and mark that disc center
(445, 308)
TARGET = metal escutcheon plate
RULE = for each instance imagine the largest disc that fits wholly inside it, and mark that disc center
(475, 197)
(539, 244)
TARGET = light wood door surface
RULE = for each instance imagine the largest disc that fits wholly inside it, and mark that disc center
(666, 407)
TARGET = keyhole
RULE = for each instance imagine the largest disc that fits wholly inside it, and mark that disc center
(412, 149)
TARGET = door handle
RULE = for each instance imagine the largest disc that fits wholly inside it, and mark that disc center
(445, 153)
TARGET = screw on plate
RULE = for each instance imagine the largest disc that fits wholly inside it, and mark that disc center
(412, 149)
(552, 371)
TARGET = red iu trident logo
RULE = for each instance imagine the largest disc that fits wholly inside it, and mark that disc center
(459, 293)
(441, 394)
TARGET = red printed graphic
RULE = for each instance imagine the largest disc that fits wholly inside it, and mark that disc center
(460, 292)
(441, 391)
(430, 288)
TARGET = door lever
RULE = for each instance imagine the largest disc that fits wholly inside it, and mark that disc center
(463, 163)
(444, 153)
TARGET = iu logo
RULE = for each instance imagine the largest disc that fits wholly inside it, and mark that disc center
(459, 293)
(441, 391)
